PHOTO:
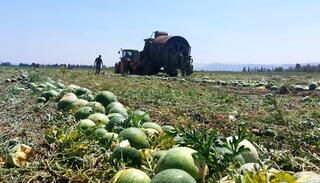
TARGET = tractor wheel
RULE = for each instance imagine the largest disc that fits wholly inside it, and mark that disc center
(189, 70)
(172, 72)
(121, 68)
(116, 68)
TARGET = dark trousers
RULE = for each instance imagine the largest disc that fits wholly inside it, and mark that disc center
(98, 68)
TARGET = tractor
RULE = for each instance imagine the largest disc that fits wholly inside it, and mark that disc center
(162, 53)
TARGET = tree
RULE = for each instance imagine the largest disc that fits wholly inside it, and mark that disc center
(278, 69)
(298, 67)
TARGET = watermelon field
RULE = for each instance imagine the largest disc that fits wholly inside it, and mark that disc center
(69, 125)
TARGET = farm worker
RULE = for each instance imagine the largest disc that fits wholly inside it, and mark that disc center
(98, 64)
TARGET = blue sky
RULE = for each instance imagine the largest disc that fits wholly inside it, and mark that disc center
(224, 31)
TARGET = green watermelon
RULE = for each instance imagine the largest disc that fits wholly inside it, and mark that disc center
(83, 113)
(66, 102)
(96, 107)
(112, 115)
(72, 87)
(112, 105)
(33, 86)
(41, 100)
(181, 158)
(145, 117)
(128, 155)
(173, 176)
(153, 126)
(157, 154)
(100, 131)
(50, 94)
(119, 110)
(313, 86)
(103, 135)
(85, 124)
(245, 157)
(105, 98)
(99, 119)
(60, 85)
(79, 103)
(135, 136)
(49, 85)
(115, 121)
(168, 128)
(131, 176)
(81, 91)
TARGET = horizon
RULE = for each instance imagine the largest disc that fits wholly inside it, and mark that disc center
(242, 32)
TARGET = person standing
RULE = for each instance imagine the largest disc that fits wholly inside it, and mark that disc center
(98, 64)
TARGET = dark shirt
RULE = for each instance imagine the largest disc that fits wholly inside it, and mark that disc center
(98, 61)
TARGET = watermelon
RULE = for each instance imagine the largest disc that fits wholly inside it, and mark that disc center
(99, 132)
(81, 91)
(112, 105)
(173, 176)
(150, 132)
(112, 115)
(245, 157)
(168, 128)
(135, 136)
(18, 155)
(153, 126)
(99, 119)
(24, 76)
(79, 103)
(157, 154)
(66, 102)
(131, 175)
(83, 113)
(145, 117)
(85, 124)
(33, 86)
(103, 135)
(128, 155)
(298, 87)
(49, 85)
(313, 86)
(115, 121)
(41, 100)
(106, 137)
(96, 107)
(105, 98)
(307, 177)
(181, 158)
(41, 85)
(73, 87)
(60, 85)
(88, 97)
(50, 94)
(119, 110)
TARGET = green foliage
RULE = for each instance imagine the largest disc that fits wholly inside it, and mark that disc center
(206, 141)
(270, 100)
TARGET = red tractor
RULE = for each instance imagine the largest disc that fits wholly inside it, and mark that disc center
(161, 53)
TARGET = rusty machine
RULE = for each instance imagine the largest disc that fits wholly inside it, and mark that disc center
(162, 53)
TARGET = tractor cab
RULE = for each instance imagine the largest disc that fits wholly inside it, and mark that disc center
(129, 55)
(129, 61)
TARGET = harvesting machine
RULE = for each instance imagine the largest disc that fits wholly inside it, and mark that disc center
(160, 53)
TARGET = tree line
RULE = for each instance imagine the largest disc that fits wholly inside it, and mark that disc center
(37, 65)
(297, 68)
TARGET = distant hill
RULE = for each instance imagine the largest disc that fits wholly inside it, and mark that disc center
(239, 67)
